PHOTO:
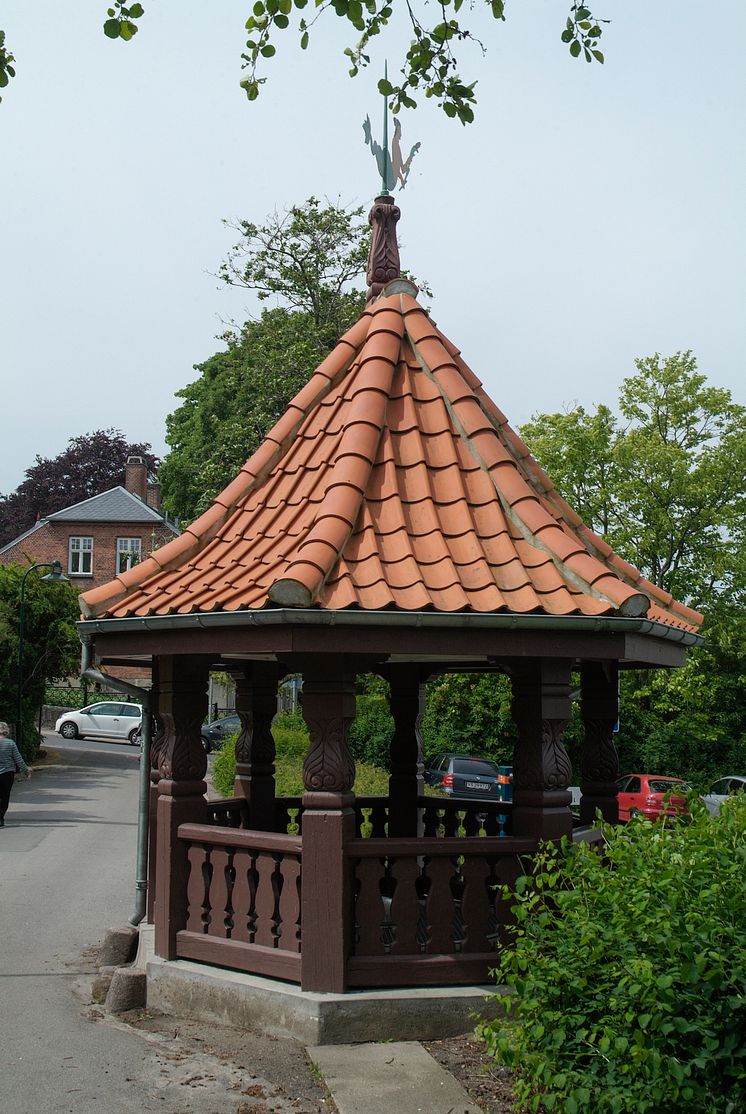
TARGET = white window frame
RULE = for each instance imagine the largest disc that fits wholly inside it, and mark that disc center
(80, 555)
(129, 553)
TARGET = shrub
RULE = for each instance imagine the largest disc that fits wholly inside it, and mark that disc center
(372, 729)
(291, 739)
(629, 972)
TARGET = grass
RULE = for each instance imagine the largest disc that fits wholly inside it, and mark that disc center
(370, 781)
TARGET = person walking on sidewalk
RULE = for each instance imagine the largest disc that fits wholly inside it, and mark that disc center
(11, 763)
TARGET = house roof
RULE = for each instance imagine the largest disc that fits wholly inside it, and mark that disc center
(392, 481)
(115, 505)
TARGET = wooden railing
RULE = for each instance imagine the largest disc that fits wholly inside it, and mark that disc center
(438, 816)
(230, 813)
(243, 900)
(430, 910)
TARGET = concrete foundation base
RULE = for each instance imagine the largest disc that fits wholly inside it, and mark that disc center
(207, 993)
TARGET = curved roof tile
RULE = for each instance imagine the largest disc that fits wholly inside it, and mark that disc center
(391, 481)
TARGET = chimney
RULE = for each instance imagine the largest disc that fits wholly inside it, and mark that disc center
(136, 476)
(153, 495)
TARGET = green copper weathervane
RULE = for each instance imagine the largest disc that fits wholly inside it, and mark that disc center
(392, 167)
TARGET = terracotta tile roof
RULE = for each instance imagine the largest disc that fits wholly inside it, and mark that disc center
(392, 481)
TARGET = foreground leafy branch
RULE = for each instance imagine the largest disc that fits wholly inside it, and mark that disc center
(430, 67)
(628, 972)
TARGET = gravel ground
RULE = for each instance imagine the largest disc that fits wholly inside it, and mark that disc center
(219, 1069)
(487, 1083)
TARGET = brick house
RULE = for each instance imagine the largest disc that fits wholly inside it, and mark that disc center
(102, 536)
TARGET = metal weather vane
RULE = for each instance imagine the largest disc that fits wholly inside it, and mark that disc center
(393, 168)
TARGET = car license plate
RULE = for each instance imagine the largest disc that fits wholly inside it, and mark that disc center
(476, 785)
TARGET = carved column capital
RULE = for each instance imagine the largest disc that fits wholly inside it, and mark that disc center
(599, 710)
(383, 258)
(256, 705)
(328, 709)
(182, 706)
(541, 766)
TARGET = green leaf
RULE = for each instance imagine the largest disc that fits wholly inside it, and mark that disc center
(575, 49)
(304, 40)
(136, 10)
(111, 28)
(598, 56)
(281, 21)
(567, 36)
(385, 88)
(127, 30)
(268, 51)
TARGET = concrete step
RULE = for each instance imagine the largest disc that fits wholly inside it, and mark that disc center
(396, 1076)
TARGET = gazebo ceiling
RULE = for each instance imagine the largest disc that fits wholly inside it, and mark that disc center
(391, 482)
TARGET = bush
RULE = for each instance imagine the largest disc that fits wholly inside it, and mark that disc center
(629, 972)
(291, 739)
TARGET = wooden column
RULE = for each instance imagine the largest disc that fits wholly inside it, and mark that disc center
(256, 704)
(182, 763)
(599, 708)
(406, 779)
(541, 767)
(328, 823)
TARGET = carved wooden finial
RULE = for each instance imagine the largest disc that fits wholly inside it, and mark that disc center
(383, 259)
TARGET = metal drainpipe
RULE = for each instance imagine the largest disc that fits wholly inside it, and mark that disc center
(143, 811)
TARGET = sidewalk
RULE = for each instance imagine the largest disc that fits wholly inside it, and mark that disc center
(400, 1076)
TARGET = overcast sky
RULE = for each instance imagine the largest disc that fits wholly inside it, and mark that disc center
(592, 214)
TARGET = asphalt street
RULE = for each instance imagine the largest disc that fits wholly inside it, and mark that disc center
(67, 858)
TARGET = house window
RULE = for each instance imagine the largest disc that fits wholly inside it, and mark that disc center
(80, 557)
(128, 553)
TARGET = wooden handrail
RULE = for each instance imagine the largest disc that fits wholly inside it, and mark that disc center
(239, 837)
(441, 846)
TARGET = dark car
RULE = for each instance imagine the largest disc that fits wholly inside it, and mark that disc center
(214, 733)
(461, 775)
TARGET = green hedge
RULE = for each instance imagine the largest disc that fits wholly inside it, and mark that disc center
(629, 972)
(292, 742)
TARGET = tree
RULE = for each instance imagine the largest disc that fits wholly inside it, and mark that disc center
(666, 490)
(430, 67)
(91, 463)
(307, 258)
(51, 648)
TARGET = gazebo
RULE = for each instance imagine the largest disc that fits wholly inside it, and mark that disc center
(391, 522)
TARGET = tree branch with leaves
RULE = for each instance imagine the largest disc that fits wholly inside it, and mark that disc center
(430, 68)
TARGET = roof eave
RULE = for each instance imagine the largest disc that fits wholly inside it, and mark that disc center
(423, 619)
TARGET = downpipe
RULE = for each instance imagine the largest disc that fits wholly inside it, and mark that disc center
(143, 810)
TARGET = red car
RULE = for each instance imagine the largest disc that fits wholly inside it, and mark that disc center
(647, 795)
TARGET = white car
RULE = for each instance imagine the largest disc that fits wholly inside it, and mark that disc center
(108, 720)
(723, 789)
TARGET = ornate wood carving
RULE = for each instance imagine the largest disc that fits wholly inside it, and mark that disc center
(256, 705)
(328, 767)
(383, 258)
(328, 709)
(599, 763)
(540, 762)
(600, 760)
(182, 708)
(541, 766)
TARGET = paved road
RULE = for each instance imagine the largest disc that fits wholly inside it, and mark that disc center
(66, 874)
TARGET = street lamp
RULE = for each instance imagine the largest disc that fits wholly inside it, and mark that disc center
(56, 574)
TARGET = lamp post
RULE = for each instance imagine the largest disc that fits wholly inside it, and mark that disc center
(56, 575)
